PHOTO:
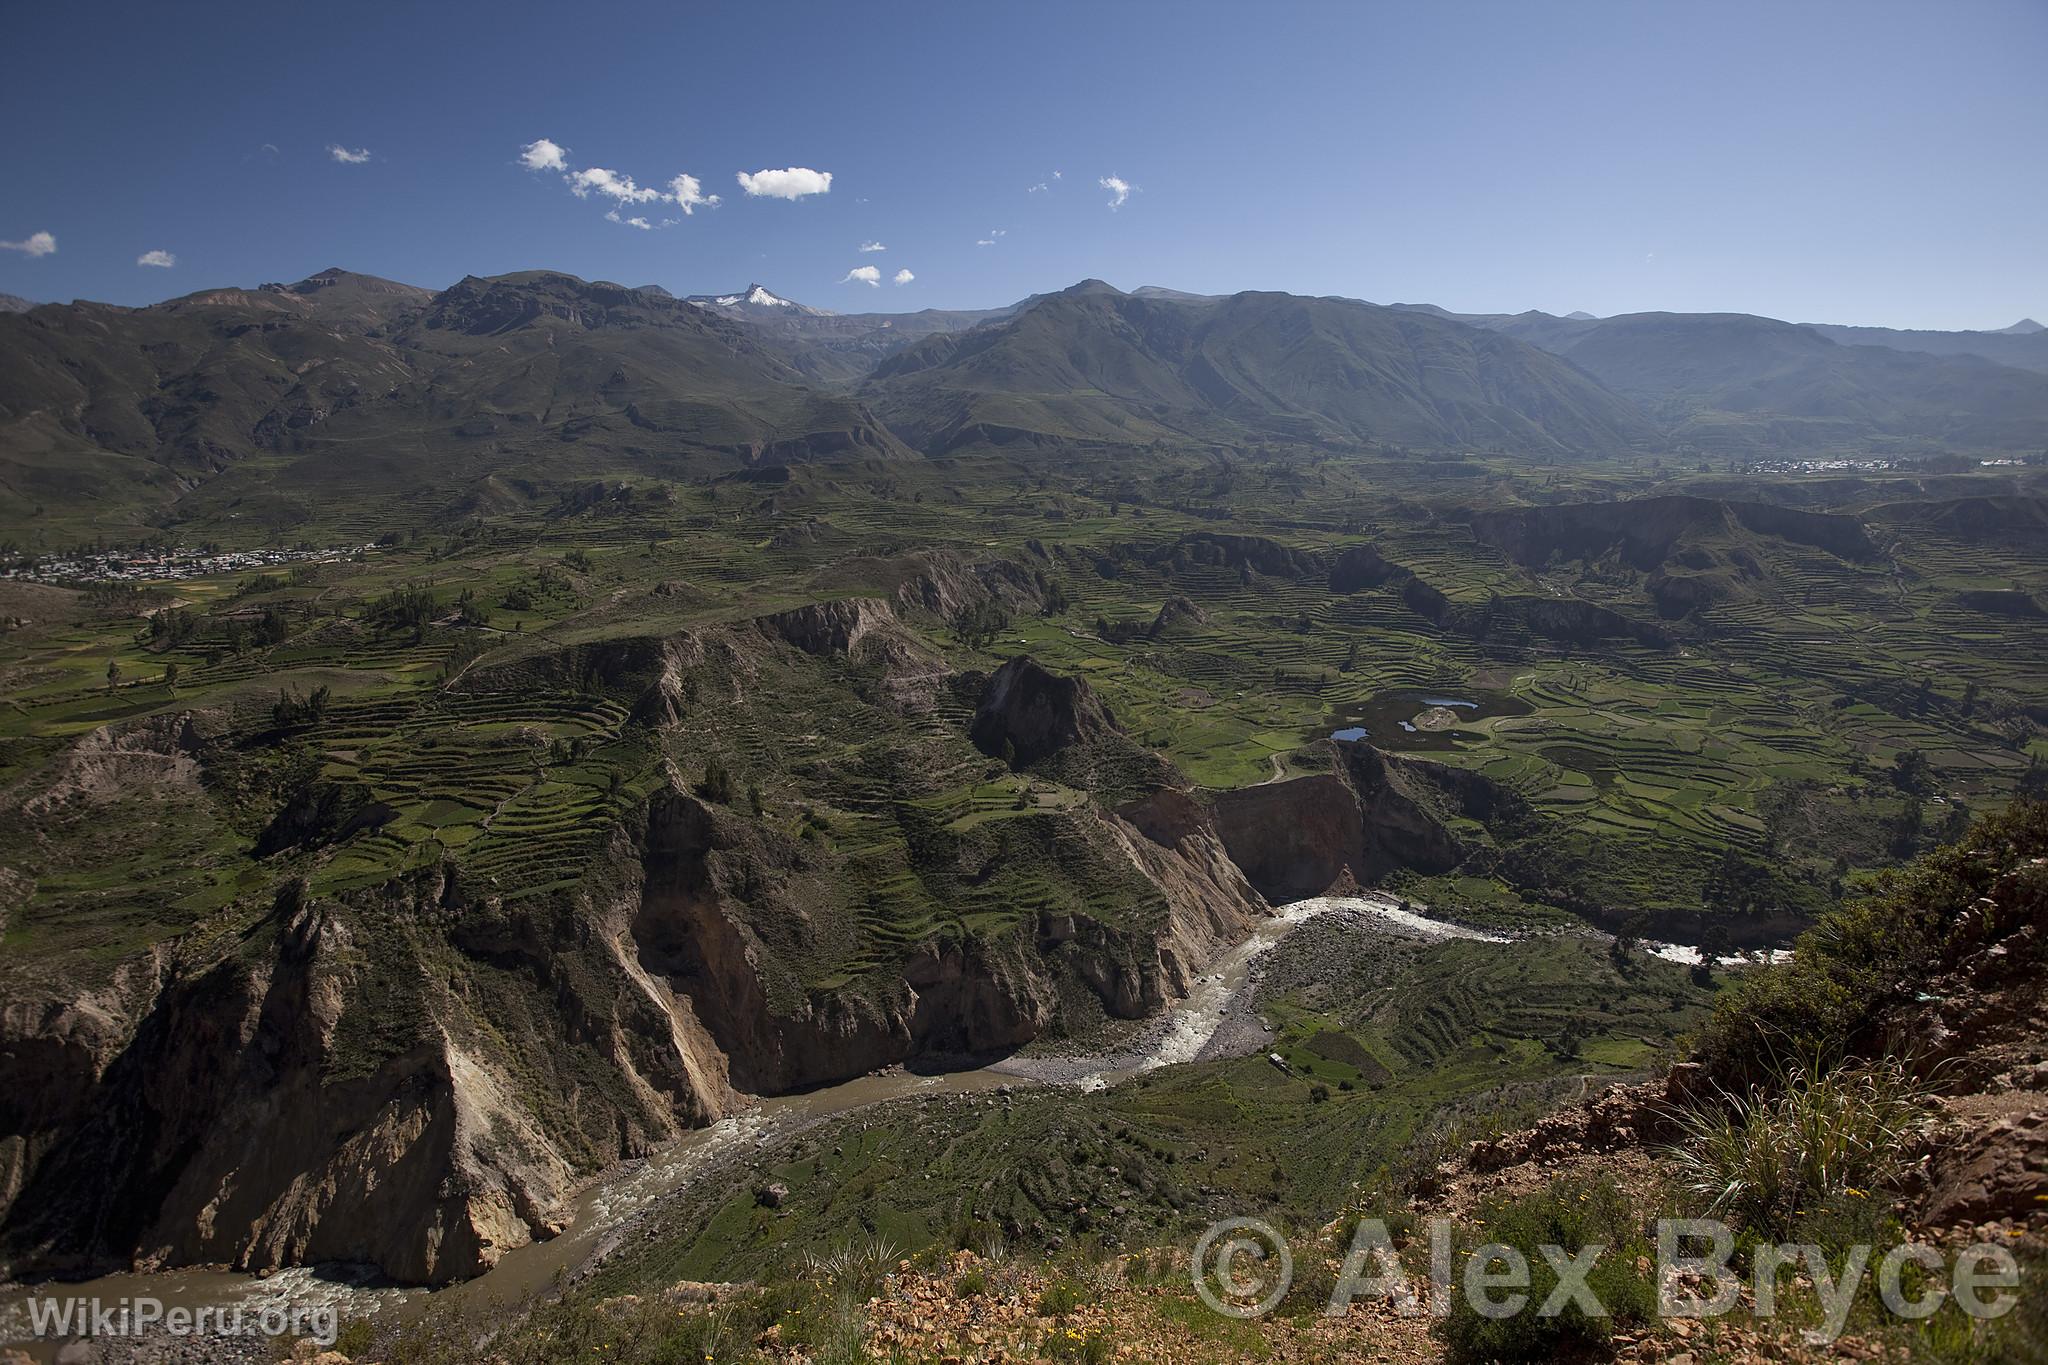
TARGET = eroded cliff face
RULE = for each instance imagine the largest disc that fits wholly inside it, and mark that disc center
(283, 1106)
(1335, 831)
(416, 1077)
(949, 998)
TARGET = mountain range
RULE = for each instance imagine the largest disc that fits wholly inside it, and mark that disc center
(1096, 364)
(346, 383)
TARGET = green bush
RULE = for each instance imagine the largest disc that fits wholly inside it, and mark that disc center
(1060, 1298)
(1571, 1214)
(1858, 959)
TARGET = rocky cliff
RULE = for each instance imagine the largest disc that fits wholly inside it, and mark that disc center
(1350, 827)
(416, 1075)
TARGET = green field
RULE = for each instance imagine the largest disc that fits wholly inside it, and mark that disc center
(1764, 729)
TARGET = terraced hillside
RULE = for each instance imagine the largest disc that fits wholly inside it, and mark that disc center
(548, 829)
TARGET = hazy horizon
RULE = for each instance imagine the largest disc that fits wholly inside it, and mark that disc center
(886, 304)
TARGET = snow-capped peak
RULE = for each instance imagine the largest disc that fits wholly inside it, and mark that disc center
(758, 300)
(756, 296)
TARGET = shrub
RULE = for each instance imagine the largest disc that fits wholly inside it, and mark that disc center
(1571, 1214)
(1059, 1298)
(1399, 1223)
(355, 1339)
(717, 782)
(977, 626)
(855, 1268)
(1827, 1001)
(1808, 1140)
(403, 608)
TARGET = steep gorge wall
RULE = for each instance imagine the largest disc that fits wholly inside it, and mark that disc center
(1333, 831)
(416, 1078)
(328, 1097)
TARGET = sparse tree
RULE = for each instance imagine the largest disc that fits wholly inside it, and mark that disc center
(1910, 772)
(716, 784)
(978, 626)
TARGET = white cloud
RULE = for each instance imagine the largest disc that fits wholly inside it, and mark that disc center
(904, 277)
(1043, 186)
(986, 241)
(163, 259)
(612, 184)
(792, 182)
(872, 246)
(347, 157)
(1119, 189)
(687, 193)
(544, 155)
(35, 244)
(865, 274)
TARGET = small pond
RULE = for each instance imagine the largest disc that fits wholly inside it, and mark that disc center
(1410, 718)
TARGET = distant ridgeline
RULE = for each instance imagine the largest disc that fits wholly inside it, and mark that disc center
(343, 388)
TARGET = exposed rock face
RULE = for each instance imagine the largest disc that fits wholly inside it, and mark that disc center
(1176, 614)
(227, 1130)
(1257, 553)
(343, 1099)
(1696, 551)
(1211, 903)
(648, 668)
(1578, 622)
(945, 582)
(415, 1078)
(1614, 1119)
(831, 628)
(1997, 1172)
(953, 999)
(1346, 828)
(1034, 713)
(777, 1035)
(2001, 602)
(113, 761)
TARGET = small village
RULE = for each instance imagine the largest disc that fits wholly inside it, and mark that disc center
(168, 564)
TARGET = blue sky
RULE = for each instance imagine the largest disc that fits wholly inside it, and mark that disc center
(1858, 163)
